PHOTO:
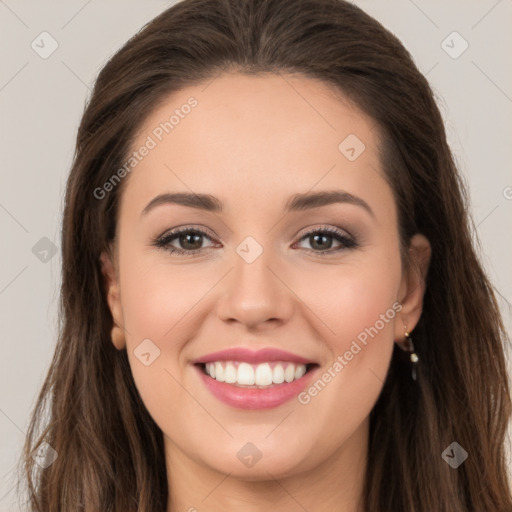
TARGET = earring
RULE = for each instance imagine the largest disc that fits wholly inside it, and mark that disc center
(117, 336)
(413, 356)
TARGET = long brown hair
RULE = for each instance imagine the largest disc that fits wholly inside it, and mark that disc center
(110, 451)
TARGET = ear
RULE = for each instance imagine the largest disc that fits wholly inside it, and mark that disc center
(412, 286)
(110, 275)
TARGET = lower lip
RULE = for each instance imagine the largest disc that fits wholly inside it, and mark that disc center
(255, 398)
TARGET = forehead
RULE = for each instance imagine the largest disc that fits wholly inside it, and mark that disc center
(256, 137)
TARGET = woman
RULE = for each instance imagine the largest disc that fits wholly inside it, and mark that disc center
(217, 351)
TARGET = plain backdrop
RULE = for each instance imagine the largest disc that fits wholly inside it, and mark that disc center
(42, 100)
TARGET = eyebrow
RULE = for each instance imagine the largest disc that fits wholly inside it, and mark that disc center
(297, 202)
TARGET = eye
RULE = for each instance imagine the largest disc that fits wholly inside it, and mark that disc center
(321, 238)
(191, 239)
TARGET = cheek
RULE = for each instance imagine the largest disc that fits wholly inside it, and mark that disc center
(350, 297)
(356, 307)
(158, 302)
(360, 307)
(158, 295)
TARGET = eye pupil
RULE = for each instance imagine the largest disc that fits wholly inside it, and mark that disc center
(184, 240)
(320, 245)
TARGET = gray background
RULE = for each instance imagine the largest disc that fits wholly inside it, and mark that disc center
(41, 102)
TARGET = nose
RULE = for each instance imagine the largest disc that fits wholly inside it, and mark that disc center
(255, 294)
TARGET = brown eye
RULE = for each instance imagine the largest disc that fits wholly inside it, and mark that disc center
(189, 241)
(321, 241)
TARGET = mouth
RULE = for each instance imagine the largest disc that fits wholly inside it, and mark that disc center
(255, 386)
(255, 376)
(262, 379)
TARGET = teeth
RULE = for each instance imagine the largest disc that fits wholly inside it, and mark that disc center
(260, 375)
(245, 374)
(278, 374)
(289, 373)
(219, 372)
(263, 375)
(230, 374)
(300, 371)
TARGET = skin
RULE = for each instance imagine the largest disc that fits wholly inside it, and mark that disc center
(252, 142)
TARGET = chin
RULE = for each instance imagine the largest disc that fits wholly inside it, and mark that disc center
(258, 460)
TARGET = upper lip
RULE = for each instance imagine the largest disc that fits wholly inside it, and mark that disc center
(250, 356)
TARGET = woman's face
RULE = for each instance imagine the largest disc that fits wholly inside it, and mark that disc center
(315, 283)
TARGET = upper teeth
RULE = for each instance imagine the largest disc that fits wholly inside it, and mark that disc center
(264, 374)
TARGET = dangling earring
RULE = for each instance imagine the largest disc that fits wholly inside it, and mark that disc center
(413, 356)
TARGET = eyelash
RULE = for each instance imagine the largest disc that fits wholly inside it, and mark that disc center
(164, 241)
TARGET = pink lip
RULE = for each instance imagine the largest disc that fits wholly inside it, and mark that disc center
(249, 356)
(255, 398)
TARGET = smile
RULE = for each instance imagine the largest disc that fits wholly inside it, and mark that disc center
(261, 375)
(256, 396)
(262, 379)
